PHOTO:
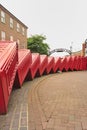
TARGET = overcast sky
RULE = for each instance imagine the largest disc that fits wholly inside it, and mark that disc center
(64, 22)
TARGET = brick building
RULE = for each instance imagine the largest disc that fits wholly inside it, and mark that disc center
(82, 52)
(77, 53)
(12, 29)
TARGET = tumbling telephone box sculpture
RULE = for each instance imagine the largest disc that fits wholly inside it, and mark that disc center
(8, 68)
(24, 62)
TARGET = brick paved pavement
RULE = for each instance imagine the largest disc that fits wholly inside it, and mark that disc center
(53, 102)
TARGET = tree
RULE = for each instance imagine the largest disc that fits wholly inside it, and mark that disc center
(36, 44)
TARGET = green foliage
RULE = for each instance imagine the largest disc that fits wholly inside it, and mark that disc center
(36, 44)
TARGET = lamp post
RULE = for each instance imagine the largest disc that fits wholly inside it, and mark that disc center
(71, 48)
(86, 47)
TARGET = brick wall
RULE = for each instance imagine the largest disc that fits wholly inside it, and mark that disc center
(17, 36)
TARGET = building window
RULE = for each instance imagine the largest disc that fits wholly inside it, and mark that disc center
(2, 35)
(23, 31)
(18, 27)
(11, 38)
(11, 23)
(2, 17)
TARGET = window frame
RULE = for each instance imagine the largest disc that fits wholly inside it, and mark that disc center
(23, 31)
(3, 35)
(2, 16)
(11, 22)
(18, 27)
(11, 38)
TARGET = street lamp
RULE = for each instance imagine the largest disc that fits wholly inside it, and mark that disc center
(71, 48)
(86, 47)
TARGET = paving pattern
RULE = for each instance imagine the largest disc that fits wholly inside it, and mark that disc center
(53, 102)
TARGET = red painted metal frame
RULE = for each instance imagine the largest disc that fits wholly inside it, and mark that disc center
(86, 63)
(34, 65)
(76, 63)
(24, 62)
(63, 64)
(73, 62)
(17, 65)
(79, 62)
(8, 68)
(43, 64)
(69, 63)
(83, 65)
(57, 63)
(50, 65)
